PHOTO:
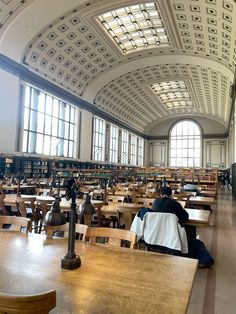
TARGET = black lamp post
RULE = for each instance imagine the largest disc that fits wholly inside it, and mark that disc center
(70, 260)
(19, 178)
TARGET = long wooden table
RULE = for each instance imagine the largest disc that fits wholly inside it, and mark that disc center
(197, 217)
(10, 200)
(201, 200)
(208, 193)
(110, 280)
(14, 187)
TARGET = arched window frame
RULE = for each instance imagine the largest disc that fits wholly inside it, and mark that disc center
(200, 146)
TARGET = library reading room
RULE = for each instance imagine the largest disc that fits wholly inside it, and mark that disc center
(117, 156)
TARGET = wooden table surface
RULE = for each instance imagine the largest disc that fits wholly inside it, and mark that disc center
(201, 200)
(197, 217)
(14, 187)
(110, 280)
(10, 200)
(208, 193)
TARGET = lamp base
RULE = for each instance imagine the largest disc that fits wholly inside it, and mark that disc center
(70, 263)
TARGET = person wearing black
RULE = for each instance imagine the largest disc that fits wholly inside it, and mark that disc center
(166, 204)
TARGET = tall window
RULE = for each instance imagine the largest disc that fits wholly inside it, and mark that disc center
(49, 124)
(185, 144)
(124, 147)
(133, 149)
(99, 139)
(140, 151)
(113, 149)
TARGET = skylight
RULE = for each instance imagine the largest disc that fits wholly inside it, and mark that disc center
(172, 94)
(135, 26)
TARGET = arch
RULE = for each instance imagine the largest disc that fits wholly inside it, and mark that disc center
(185, 138)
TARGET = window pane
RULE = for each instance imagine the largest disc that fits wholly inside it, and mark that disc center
(54, 126)
(41, 102)
(55, 111)
(185, 144)
(44, 134)
(46, 146)
(40, 122)
(48, 105)
(48, 125)
(39, 147)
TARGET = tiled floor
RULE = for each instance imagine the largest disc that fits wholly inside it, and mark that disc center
(214, 289)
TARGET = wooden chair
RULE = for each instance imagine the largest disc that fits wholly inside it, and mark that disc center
(28, 304)
(26, 208)
(111, 236)
(42, 209)
(115, 199)
(17, 223)
(146, 202)
(104, 221)
(53, 230)
(80, 230)
(125, 217)
(2, 205)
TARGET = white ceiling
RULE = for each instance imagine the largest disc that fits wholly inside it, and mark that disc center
(63, 42)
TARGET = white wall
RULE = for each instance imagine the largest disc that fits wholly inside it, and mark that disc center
(208, 126)
(214, 153)
(9, 110)
(158, 153)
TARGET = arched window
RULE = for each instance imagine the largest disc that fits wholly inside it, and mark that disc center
(185, 144)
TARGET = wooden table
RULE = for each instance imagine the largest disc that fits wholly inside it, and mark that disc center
(110, 280)
(10, 200)
(208, 193)
(197, 217)
(201, 200)
(14, 187)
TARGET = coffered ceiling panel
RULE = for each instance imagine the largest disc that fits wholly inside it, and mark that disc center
(111, 54)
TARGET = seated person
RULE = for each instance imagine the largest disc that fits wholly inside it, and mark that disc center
(166, 204)
(191, 187)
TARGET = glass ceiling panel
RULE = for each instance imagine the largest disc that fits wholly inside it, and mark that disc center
(135, 26)
(172, 94)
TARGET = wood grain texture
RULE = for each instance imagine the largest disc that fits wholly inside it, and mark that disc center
(110, 280)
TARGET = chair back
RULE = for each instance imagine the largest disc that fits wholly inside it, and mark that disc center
(80, 230)
(147, 202)
(26, 202)
(115, 199)
(112, 236)
(126, 215)
(42, 208)
(2, 204)
(28, 304)
(17, 223)
(51, 230)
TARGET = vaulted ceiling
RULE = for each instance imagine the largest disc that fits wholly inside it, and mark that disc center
(140, 61)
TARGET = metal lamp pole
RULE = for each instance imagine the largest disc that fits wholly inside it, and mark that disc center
(70, 260)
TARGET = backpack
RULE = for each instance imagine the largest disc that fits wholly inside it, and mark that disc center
(198, 251)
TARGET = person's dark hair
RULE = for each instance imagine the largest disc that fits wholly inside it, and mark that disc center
(166, 190)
